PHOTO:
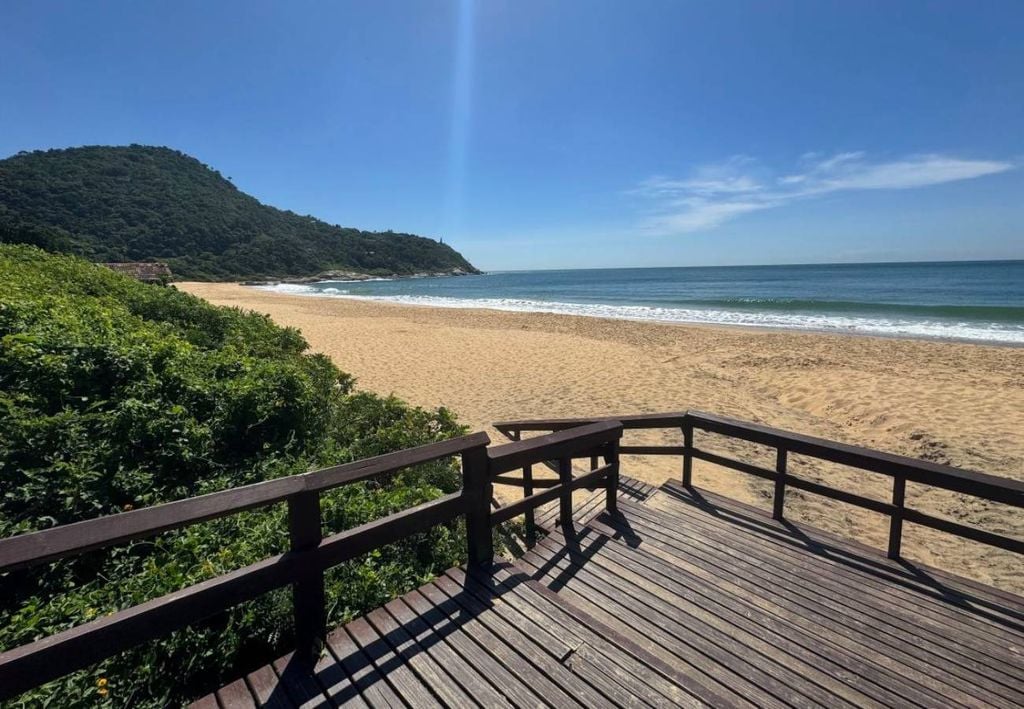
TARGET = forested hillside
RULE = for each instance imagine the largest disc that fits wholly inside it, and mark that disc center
(140, 203)
(116, 395)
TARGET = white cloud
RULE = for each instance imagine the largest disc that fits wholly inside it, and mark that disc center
(714, 194)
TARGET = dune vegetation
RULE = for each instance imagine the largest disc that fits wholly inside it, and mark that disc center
(116, 395)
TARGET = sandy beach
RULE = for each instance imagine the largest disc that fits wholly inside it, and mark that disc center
(953, 403)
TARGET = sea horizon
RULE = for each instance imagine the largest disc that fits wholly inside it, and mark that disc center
(974, 301)
(932, 262)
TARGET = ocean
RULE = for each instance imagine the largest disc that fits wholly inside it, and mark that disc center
(974, 301)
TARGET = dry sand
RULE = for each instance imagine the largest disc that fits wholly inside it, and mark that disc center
(953, 403)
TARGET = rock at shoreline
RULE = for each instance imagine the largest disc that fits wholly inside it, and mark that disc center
(353, 276)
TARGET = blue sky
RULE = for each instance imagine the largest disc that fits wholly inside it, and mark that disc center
(564, 134)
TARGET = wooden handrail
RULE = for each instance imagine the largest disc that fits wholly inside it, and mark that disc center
(586, 441)
(554, 492)
(630, 421)
(70, 539)
(970, 482)
(577, 442)
(54, 656)
(301, 567)
(900, 468)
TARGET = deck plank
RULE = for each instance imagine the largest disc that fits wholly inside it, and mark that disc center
(372, 687)
(801, 600)
(856, 633)
(390, 666)
(573, 663)
(470, 649)
(299, 684)
(718, 680)
(738, 623)
(423, 666)
(337, 686)
(556, 684)
(899, 589)
(234, 696)
(523, 677)
(266, 689)
(463, 673)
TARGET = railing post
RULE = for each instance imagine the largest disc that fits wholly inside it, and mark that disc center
(477, 489)
(531, 518)
(899, 489)
(565, 499)
(688, 453)
(308, 603)
(612, 494)
(779, 500)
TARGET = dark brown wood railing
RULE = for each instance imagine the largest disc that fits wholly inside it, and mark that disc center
(310, 554)
(900, 468)
(595, 440)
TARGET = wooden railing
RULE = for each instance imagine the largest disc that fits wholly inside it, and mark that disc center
(302, 567)
(593, 441)
(900, 468)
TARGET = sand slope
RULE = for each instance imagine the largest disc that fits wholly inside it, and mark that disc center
(957, 404)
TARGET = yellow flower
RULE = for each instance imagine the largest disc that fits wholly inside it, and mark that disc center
(90, 613)
(103, 691)
(129, 507)
(101, 682)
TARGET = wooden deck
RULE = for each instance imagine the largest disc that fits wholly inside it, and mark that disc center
(682, 598)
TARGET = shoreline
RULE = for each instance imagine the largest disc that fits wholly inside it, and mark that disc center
(465, 305)
(960, 404)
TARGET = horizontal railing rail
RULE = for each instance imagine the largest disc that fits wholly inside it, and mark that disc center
(580, 442)
(991, 487)
(901, 469)
(72, 539)
(301, 567)
(558, 450)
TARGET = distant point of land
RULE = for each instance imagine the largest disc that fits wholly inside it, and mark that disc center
(143, 203)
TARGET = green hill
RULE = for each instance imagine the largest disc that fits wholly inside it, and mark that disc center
(141, 203)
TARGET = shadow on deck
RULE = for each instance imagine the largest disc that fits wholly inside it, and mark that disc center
(680, 598)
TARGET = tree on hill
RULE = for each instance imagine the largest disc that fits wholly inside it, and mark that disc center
(140, 203)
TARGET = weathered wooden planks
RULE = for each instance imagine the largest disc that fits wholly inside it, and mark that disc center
(682, 598)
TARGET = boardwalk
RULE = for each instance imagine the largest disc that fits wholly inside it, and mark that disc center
(648, 597)
(681, 598)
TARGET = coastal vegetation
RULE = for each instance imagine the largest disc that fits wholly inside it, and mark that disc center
(142, 203)
(116, 395)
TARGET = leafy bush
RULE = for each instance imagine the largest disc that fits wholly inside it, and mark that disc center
(114, 395)
(141, 203)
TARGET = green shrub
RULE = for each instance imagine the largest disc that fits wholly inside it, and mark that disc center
(117, 395)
